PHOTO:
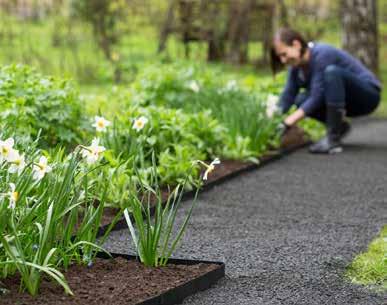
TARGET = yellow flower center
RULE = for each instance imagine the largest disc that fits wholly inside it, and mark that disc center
(41, 166)
(100, 124)
(15, 196)
(4, 151)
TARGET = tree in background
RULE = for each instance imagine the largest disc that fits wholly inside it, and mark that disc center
(238, 30)
(227, 26)
(360, 31)
(106, 18)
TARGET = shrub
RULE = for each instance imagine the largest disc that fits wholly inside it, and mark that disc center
(176, 138)
(31, 102)
(194, 89)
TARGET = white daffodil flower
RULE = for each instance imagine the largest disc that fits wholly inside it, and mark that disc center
(45, 82)
(231, 85)
(140, 123)
(100, 123)
(209, 167)
(271, 105)
(194, 86)
(6, 149)
(41, 168)
(13, 196)
(17, 162)
(92, 152)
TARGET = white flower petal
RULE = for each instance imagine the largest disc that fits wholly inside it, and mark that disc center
(13, 169)
(140, 123)
(9, 142)
(43, 160)
(216, 161)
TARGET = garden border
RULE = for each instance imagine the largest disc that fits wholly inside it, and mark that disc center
(264, 160)
(177, 294)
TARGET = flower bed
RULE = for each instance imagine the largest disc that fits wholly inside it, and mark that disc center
(48, 202)
(54, 202)
(227, 169)
(123, 280)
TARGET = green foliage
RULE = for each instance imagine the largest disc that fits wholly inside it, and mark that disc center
(176, 162)
(315, 129)
(175, 137)
(370, 267)
(48, 221)
(156, 238)
(210, 117)
(31, 103)
(194, 89)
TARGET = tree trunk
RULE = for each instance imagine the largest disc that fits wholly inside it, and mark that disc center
(216, 34)
(167, 26)
(239, 30)
(186, 19)
(215, 49)
(360, 31)
(267, 35)
(283, 14)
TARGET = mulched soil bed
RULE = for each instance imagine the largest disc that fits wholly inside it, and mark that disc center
(109, 281)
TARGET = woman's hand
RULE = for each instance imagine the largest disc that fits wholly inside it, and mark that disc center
(296, 116)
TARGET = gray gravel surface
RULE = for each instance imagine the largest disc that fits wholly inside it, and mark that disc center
(287, 231)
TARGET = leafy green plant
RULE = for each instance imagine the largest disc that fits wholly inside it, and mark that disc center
(49, 216)
(155, 239)
(315, 129)
(174, 136)
(241, 111)
(174, 164)
(33, 104)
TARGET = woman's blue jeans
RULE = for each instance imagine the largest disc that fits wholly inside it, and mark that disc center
(345, 89)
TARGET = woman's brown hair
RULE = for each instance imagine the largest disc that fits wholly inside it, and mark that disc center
(287, 36)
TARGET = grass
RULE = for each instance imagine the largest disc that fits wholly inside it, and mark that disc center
(370, 268)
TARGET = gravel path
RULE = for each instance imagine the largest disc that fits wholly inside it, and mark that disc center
(287, 231)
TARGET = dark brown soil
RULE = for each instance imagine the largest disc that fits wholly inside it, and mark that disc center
(293, 138)
(111, 282)
(108, 215)
(225, 168)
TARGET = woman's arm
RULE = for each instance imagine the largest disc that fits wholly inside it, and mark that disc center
(296, 116)
(290, 91)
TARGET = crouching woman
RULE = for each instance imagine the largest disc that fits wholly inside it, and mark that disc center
(324, 83)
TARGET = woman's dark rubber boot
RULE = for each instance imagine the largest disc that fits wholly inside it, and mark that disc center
(331, 143)
(345, 129)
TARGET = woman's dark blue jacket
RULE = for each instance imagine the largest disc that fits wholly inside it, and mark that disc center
(322, 56)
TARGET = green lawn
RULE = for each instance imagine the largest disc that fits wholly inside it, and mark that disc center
(370, 268)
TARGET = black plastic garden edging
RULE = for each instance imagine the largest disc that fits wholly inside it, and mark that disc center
(267, 159)
(177, 294)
